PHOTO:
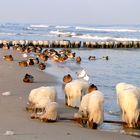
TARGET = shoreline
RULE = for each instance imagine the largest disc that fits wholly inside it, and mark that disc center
(14, 116)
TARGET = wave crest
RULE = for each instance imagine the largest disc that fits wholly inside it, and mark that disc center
(104, 38)
(106, 29)
(39, 26)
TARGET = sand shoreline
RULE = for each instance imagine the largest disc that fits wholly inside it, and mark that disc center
(14, 116)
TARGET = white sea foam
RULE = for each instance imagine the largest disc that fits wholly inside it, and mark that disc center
(126, 39)
(39, 26)
(104, 38)
(9, 133)
(29, 28)
(60, 33)
(90, 37)
(32, 34)
(106, 29)
(7, 93)
(60, 27)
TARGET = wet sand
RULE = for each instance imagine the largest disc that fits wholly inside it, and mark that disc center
(15, 118)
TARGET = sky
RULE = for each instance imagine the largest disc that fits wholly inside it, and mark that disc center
(70, 11)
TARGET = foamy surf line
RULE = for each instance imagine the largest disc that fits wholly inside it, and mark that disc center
(90, 37)
(62, 33)
(8, 34)
(39, 26)
(104, 38)
(106, 29)
(73, 35)
(57, 32)
(62, 26)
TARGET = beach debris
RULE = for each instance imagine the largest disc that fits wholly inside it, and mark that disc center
(68, 133)
(6, 93)
(8, 58)
(9, 133)
(132, 133)
(28, 78)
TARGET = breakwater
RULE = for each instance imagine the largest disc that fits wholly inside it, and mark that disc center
(70, 44)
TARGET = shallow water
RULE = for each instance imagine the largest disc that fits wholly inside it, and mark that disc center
(123, 66)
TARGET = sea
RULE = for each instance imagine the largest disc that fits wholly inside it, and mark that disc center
(123, 64)
(16, 31)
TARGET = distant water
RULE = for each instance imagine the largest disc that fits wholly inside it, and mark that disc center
(123, 64)
(14, 31)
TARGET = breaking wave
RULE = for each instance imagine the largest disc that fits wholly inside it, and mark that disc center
(104, 38)
(39, 26)
(106, 29)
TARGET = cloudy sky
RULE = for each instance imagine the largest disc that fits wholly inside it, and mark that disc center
(71, 11)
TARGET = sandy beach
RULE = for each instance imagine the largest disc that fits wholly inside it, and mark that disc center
(15, 118)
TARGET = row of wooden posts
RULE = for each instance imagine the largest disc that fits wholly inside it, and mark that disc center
(71, 44)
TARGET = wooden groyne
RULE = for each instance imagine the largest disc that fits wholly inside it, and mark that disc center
(70, 44)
